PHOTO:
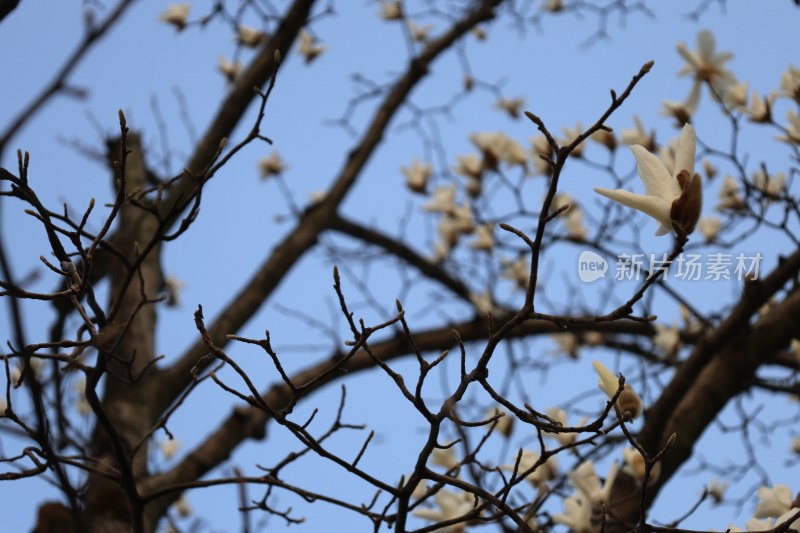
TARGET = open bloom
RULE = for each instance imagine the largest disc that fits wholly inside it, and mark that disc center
(308, 47)
(443, 200)
(250, 37)
(391, 10)
(544, 472)
(792, 128)
(512, 106)
(774, 501)
(673, 200)
(706, 64)
(577, 514)
(417, 176)
(271, 166)
(229, 69)
(585, 479)
(639, 135)
(628, 402)
(176, 15)
(451, 505)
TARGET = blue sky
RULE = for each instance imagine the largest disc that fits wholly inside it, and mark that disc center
(144, 60)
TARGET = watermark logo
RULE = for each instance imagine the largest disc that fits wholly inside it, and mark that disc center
(688, 267)
(591, 266)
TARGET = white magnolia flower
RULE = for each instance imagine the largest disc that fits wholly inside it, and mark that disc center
(577, 514)
(512, 106)
(736, 96)
(673, 200)
(729, 196)
(573, 221)
(594, 338)
(709, 227)
(169, 448)
(760, 109)
(229, 69)
(417, 176)
(628, 402)
(308, 47)
(484, 237)
(451, 505)
(790, 84)
(543, 473)
(754, 524)
(470, 166)
(639, 135)
(173, 286)
(560, 416)
(518, 271)
(182, 507)
(560, 200)
(505, 424)
(496, 147)
(392, 10)
(250, 37)
(667, 339)
(567, 343)
(570, 134)
(445, 457)
(709, 169)
(716, 489)
(540, 147)
(482, 302)
(788, 515)
(706, 64)
(774, 501)
(666, 154)
(443, 200)
(272, 165)
(463, 219)
(635, 466)
(176, 14)
(553, 6)
(792, 129)
(584, 478)
(772, 186)
(606, 138)
(420, 490)
(682, 111)
(419, 33)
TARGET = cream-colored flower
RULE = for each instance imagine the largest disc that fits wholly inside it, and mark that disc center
(628, 403)
(729, 195)
(451, 505)
(754, 524)
(484, 237)
(560, 200)
(606, 138)
(419, 33)
(469, 166)
(443, 200)
(772, 186)
(577, 514)
(736, 96)
(792, 129)
(573, 221)
(420, 490)
(518, 271)
(445, 457)
(673, 200)
(667, 339)
(543, 473)
(706, 64)
(173, 287)
(716, 489)
(309, 48)
(635, 466)
(176, 14)
(169, 448)
(391, 10)
(553, 6)
(709, 169)
(774, 501)
(785, 517)
(790, 84)
(560, 416)
(570, 134)
(505, 424)
(182, 507)
(230, 70)
(250, 37)
(567, 343)
(272, 165)
(417, 176)
(512, 106)
(760, 109)
(482, 302)
(540, 147)
(594, 338)
(584, 478)
(682, 111)
(497, 147)
(709, 227)
(639, 135)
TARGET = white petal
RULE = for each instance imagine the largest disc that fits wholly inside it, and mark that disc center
(657, 208)
(684, 158)
(655, 176)
(705, 44)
